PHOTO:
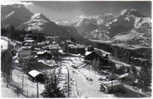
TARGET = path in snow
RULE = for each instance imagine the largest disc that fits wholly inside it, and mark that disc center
(81, 87)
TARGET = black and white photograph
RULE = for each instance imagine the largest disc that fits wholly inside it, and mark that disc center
(76, 49)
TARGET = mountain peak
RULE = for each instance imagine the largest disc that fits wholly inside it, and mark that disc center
(127, 11)
(134, 12)
(39, 16)
(14, 14)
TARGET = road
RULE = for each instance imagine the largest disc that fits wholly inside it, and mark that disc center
(80, 83)
(83, 81)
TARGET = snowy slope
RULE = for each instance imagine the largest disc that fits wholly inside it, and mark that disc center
(38, 22)
(130, 26)
(14, 15)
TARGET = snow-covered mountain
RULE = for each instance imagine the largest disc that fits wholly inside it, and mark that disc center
(127, 20)
(21, 18)
(38, 22)
(131, 28)
(128, 24)
(94, 27)
(14, 15)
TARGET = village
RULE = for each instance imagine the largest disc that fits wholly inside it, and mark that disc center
(67, 68)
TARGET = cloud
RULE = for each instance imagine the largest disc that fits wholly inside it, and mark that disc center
(10, 2)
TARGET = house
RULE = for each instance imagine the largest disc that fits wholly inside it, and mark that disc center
(36, 76)
(96, 53)
(121, 68)
(25, 52)
(47, 63)
(99, 59)
(76, 49)
(44, 55)
(52, 38)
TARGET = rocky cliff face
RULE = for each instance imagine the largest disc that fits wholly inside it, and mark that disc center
(21, 18)
(14, 15)
(130, 27)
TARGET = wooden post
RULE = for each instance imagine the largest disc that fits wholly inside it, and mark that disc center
(23, 82)
(112, 84)
(68, 81)
(27, 92)
(23, 76)
(37, 90)
(55, 76)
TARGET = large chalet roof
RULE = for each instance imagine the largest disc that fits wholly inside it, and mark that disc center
(87, 53)
(4, 44)
(34, 73)
(101, 52)
(29, 40)
(52, 46)
(76, 46)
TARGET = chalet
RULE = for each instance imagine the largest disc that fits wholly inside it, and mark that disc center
(52, 47)
(36, 76)
(69, 42)
(28, 38)
(61, 52)
(28, 43)
(89, 48)
(121, 68)
(52, 38)
(25, 52)
(43, 43)
(99, 59)
(44, 55)
(76, 49)
(96, 53)
(47, 63)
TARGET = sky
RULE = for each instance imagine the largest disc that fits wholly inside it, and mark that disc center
(60, 10)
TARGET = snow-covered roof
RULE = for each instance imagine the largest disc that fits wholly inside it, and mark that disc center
(41, 52)
(60, 51)
(28, 40)
(50, 63)
(25, 47)
(34, 73)
(76, 46)
(4, 44)
(88, 52)
(100, 52)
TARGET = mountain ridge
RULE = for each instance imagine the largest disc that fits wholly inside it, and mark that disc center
(35, 22)
(128, 24)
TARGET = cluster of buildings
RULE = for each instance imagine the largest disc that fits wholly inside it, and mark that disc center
(48, 52)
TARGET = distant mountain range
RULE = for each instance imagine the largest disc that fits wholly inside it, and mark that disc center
(22, 19)
(129, 28)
